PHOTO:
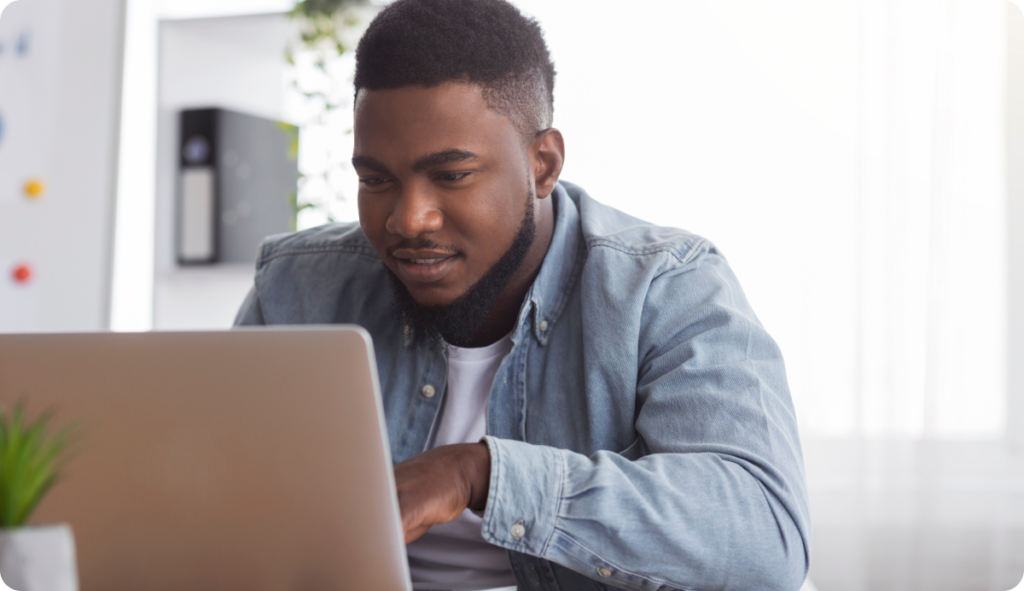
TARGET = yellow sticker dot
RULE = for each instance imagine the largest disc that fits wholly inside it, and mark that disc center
(35, 188)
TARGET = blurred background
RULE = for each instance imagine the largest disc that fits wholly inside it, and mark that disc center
(859, 163)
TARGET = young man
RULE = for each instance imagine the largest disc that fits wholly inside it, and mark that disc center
(575, 399)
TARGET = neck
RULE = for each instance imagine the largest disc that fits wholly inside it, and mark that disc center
(503, 316)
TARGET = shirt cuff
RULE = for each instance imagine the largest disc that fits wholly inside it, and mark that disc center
(524, 496)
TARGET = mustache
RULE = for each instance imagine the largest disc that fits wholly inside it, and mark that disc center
(423, 244)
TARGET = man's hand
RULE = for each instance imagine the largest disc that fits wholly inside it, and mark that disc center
(438, 485)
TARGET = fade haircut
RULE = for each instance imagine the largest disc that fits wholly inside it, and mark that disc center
(484, 42)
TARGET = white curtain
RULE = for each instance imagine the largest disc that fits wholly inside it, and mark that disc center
(848, 158)
(932, 220)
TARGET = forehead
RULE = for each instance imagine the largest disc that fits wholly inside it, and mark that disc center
(411, 121)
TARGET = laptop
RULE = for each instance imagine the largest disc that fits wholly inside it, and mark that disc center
(254, 459)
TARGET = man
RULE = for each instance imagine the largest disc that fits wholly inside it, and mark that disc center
(575, 399)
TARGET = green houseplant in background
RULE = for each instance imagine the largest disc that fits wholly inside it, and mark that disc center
(32, 558)
(321, 62)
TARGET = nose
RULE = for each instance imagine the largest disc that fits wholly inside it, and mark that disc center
(415, 212)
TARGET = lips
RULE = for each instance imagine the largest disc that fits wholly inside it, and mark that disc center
(427, 261)
(424, 266)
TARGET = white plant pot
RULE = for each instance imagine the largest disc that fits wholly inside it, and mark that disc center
(38, 558)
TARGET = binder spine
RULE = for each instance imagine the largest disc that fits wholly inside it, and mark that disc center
(198, 189)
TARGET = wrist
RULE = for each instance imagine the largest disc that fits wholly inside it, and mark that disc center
(478, 476)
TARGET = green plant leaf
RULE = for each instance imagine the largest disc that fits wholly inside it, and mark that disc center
(31, 461)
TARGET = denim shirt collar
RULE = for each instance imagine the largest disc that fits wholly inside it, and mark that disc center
(550, 291)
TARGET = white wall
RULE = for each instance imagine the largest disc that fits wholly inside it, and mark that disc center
(230, 62)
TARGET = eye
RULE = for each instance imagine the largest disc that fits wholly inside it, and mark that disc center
(372, 181)
(451, 177)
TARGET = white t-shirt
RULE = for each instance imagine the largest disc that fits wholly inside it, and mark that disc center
(455, 553)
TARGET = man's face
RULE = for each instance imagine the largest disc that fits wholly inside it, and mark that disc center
(443, 185)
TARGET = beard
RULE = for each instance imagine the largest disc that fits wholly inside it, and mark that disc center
(458, 322)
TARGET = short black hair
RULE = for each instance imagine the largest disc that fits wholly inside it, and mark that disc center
(485, 42)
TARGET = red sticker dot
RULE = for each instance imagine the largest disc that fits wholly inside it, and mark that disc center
(22, 273)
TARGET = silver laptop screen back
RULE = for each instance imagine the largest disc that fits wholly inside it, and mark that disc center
(251, 459)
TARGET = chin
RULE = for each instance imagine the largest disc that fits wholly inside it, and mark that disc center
(433, 297)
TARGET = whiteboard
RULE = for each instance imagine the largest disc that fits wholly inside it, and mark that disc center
(60, 91)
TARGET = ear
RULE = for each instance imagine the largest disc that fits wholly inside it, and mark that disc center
(547, 154)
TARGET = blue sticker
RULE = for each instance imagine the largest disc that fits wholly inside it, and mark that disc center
(22, 46)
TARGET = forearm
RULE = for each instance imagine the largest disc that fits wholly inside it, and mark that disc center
(682, 520)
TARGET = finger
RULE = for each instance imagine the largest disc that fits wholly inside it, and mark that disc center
(411, 535)
(411, 514)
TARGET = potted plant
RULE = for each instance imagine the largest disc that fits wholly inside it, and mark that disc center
(32, 557)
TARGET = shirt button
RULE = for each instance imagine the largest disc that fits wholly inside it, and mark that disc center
(518, 531)
(543, 325)
(429, 391)
(604, 572)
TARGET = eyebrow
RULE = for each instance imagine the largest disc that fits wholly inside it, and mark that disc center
(425, 163)
(371, 163)
(441, 158)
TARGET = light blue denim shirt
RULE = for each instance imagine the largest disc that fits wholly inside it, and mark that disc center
(641, 431)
